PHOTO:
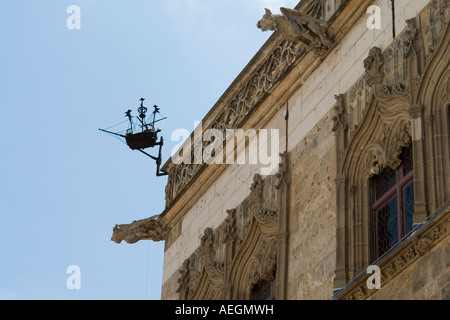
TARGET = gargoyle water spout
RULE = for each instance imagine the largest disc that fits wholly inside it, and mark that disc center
(153, 228)
(294, 25)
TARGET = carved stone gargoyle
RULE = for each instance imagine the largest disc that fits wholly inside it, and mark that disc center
(294, 25)
(153, 228)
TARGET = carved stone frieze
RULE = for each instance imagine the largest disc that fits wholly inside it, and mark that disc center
(421, 244)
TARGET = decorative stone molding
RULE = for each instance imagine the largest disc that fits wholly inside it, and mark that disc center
(410, 250)
(229, 228)
(373, 64)
(214, 268)
(242, 251)
(256, 189)
(154, 228)
(263, 267)
(340, 119)
(283, 176)
(376, 75)
(184, 287)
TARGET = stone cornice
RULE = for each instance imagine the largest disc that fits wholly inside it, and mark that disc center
(278, 61)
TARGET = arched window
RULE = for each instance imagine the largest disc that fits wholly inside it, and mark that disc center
(392, 204)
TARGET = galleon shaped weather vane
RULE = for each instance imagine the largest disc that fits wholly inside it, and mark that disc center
(142, 133)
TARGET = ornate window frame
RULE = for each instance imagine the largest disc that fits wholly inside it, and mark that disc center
(376, 145)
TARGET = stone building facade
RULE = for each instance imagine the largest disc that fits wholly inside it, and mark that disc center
(363, 122)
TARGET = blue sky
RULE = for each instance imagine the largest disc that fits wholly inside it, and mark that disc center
(64, 184)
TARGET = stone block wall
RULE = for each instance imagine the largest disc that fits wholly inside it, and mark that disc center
(312, 256)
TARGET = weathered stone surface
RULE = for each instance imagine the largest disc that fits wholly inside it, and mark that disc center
(173, 235)
(169, 288)
(446, 250)
(426, 270)
(313, 223)
(446, 293)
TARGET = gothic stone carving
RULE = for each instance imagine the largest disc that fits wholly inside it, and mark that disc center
(374, 121)
(283, 176)
(153, 228)
(239, 253)
(297, 26)
(340, 119)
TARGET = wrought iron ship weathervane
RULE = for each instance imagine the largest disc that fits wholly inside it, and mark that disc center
(142, 134)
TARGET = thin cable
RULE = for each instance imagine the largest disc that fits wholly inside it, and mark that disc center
(116, 137)
(116, 125)
(148, 260)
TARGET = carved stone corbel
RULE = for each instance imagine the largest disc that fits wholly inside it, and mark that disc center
(229, 229)
(373, 64)
(410, 37)
(215, 269)
(283, 175)
(340, 120)
(267, 218)
(376, 78)
(256, 197)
